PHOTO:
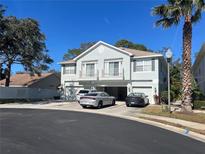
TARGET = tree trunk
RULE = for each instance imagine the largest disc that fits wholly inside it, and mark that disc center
(186, 83)
(8, 74)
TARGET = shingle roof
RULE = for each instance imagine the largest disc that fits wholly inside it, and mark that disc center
(25, 79)
(139, 53)
(71, 61)
(130, 52)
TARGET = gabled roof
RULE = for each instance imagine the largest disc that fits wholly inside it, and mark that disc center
(140, 53)
(25, 79)
(70, 61)
(101, 43)
(127, 51)
(199, 57)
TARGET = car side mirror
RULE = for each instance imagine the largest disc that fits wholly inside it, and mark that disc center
(146, 96)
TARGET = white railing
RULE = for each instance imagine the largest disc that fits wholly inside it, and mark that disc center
(113, 76)
(103, 76)
(84, 76)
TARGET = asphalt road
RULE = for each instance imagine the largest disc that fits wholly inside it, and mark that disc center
(63, 132)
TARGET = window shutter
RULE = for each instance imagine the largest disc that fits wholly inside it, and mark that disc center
(134, 66)
(153, 65)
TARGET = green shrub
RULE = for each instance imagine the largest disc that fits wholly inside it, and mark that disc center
(198, 104)
(164, 94)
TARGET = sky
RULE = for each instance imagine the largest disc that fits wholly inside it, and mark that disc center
(68, 23)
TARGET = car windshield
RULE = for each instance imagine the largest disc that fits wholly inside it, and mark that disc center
(83, 91)
(91, 94)
(137, 94)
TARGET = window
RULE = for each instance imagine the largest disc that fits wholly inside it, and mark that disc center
(91, 94)
(147, 65)
(114, 68)
(139, 66)
(144, 65)
(90, 69)
(70, 69)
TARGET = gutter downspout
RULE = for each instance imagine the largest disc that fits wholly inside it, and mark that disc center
(131, 59)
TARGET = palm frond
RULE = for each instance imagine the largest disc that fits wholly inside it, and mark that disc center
(198, 7)
(196, 16)
(169, 15)
(161, 11)
(167, 22)
(199, 3)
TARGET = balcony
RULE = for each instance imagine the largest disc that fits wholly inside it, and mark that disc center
(102, 76)
(88, 77)
(115, 76)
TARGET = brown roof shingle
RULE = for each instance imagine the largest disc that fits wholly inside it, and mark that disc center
(71, 61)
(24, 79)
(139, 53)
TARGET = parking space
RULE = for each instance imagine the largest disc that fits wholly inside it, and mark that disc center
(119, 108)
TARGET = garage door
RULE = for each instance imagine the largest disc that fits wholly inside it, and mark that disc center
(147, 91)
(120, 93)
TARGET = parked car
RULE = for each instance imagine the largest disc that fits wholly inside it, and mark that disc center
(83, 92)
(96, 99)
(137, 99)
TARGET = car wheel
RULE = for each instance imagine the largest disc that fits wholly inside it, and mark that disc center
(100, 105)
(83, 106)
(128, 104)
(113, 102)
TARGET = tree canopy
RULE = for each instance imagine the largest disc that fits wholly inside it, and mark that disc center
(131, 45)
(72, 53)
(172, 12)
(22, 42)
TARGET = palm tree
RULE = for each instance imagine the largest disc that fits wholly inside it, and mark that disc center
(188, 11)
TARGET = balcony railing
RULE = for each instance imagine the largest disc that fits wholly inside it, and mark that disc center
(84, 76)
(102, 76)
(108, 75)
(116, 75)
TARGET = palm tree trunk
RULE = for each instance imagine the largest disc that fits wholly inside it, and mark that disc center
(186, 83)
(8, 74)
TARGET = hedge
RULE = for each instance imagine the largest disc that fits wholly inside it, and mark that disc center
(199, 104)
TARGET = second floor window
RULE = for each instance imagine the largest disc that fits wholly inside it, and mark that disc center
(114, 68)
(90, 69)
(144, 65)
(70, 69)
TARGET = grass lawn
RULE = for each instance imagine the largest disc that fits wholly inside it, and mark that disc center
(176, 125)
(157, 110)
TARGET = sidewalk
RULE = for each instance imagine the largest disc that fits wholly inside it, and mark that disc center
(185, 123)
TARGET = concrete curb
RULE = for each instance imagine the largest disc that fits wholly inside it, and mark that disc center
(175, 129)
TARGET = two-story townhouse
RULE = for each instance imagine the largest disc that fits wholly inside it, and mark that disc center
(118, 71)
(199, 69)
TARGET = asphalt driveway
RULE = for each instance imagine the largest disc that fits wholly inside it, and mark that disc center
(28, 131)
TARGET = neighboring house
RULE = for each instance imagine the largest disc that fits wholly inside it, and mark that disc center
(199, 69)
(44, 81)
(118, 71)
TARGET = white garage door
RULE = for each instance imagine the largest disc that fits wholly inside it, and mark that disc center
(147, 91)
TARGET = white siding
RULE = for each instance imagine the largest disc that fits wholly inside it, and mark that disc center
(102, 53)
(145, 81)
(200, 75)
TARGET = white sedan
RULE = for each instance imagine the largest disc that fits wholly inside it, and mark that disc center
(96, 99)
